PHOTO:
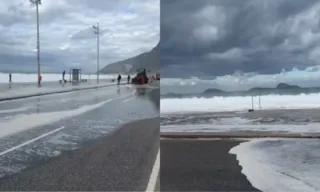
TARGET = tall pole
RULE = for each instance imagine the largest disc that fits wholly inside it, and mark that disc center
(259, 102)
(97, 32)
(37, 3)
(98, 47)
(38, 44)
(252, 102)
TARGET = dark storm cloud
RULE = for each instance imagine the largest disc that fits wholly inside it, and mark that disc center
(127, 28)
(218, 37)
(26, 62)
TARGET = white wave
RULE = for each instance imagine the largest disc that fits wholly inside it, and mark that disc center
(273, 165)
(242, 81)
(238, 103)
(24, 122)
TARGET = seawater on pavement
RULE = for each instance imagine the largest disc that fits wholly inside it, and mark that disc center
(123, 106)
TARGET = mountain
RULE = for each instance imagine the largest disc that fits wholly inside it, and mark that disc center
(149, 60)
(280, 89)
(213, 91)
(287, 86)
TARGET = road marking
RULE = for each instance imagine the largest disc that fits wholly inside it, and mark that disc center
(51, 132)
(191, 139)
(123, 96)
(127, 100)
(131, 93)
(154, 174)
(151, 87)
(30, 141)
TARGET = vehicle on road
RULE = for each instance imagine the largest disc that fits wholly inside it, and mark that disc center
(140, 78)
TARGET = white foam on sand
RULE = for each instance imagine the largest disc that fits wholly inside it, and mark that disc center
(274, 165)
(24, 122)
(237, 103)
(308, 128)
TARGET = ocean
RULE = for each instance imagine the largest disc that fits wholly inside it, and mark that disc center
(29, 80)
(269, 164)
(46, 77)
(283, 113)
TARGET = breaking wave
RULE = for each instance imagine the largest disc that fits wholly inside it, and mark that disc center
(238, 103)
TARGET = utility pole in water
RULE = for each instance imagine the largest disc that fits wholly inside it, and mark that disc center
(37, 3)
(259, 102)
(252, 102)
(97, 32)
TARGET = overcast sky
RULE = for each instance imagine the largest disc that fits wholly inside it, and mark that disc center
(205, 38)
(128, 28)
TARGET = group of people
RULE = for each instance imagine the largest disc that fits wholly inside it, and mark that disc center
(64, 80)
(119, 79)
(10, 79)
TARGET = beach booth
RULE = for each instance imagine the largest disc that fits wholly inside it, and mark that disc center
(75, 76)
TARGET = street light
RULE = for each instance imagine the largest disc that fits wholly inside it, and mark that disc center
(37, 3)
(97, 32)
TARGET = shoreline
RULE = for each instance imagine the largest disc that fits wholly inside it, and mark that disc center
(237, 134)
(201, 165)
(197, 161)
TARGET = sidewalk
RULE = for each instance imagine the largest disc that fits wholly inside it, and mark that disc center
(19, 91)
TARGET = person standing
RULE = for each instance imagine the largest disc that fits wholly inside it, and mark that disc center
(39, 80)
(129, 79)
(10, 80)
(119, 79)
(63, 75)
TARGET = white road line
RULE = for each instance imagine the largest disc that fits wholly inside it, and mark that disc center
(154, 174)
(151, 87)
(131, 93)
(123, 96)
(127, 100)
(51, 132)
(30, 141)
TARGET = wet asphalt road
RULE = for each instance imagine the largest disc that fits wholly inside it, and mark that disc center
(121, 161)
(99, 113)
(200, 165)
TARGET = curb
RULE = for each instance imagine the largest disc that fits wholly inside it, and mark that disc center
(55, 92)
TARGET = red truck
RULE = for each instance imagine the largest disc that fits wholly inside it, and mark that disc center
(140, 78)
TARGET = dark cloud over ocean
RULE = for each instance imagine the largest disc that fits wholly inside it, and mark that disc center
(219, 37)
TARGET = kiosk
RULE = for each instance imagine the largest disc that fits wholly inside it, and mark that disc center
(75, 76)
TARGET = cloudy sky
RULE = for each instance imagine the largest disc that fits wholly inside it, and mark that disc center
(247, 38)
(128, 28)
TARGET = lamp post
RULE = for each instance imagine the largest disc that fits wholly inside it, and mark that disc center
(97, 32)
(37, 3)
